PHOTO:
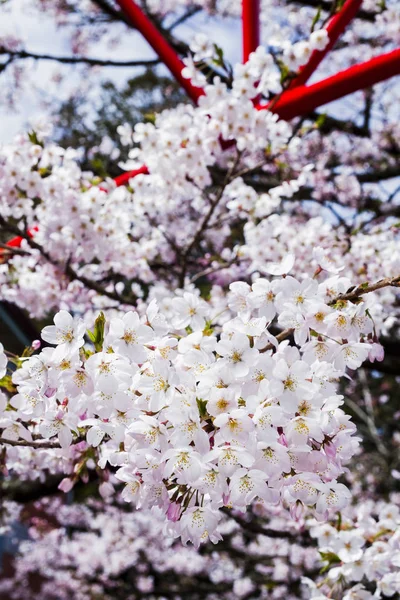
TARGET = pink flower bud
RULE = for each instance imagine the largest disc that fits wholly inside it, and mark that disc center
(50, 392)
(173, 512)
(66, 485)
(282, 440)
(225, 499)
(330, 450)
(36, 344)
(106, 489)
(297, 510)
(376, 352)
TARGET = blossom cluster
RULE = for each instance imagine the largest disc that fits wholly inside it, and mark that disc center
(201, 406)
(363, 551)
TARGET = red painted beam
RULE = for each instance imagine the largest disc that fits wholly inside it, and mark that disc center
(125, 177)
(250, 27)
(304, 99)
(16, 242)
(160, 45)
(335, 28)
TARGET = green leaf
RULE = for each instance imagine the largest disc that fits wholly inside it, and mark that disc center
(316, 18)
(320, 120)
(97, 335)
(331, 558)
(202, 406)
(205, 289)
(285, 72)
(381, 533)
(33, 138)
(208, 329)
(99, 166)
(150, 117)
(219, 56)
(7, 384)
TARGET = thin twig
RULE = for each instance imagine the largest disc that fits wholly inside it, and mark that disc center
(71, 60)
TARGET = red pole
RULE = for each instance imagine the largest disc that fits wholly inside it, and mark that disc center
(304, 99)
(162, 48)
(250, 27)
(335, 28)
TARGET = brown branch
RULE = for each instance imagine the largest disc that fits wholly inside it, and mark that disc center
(22, 54)
(114, 14)
(374, 176)
(32, 444)
(203, 226)
(255, 527)
(329, 124)
(327, 6)
(366, 288)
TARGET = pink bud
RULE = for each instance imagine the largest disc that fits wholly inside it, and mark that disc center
(376, 352)
(66, 485)
(282, 440)
(297, 510)
(36, 344)
(50, 392)
(225, 499)
(173, 512)
(106, 489)
(330, 450)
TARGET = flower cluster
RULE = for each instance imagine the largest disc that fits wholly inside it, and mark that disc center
(201, 407)
(363, 551)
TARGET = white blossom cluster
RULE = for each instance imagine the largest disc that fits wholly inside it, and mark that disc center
(199, 411)
(363, 551)
(89, 237)
(108, 234)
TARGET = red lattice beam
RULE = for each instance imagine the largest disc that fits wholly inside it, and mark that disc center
(250, 27)
(304, 99)
(335, 28)
(160, 45)
(125, 177)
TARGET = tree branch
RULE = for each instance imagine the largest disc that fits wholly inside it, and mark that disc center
(22, 54)
(326, 5)
(32, 444)
(113, 13)
(366, 288)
